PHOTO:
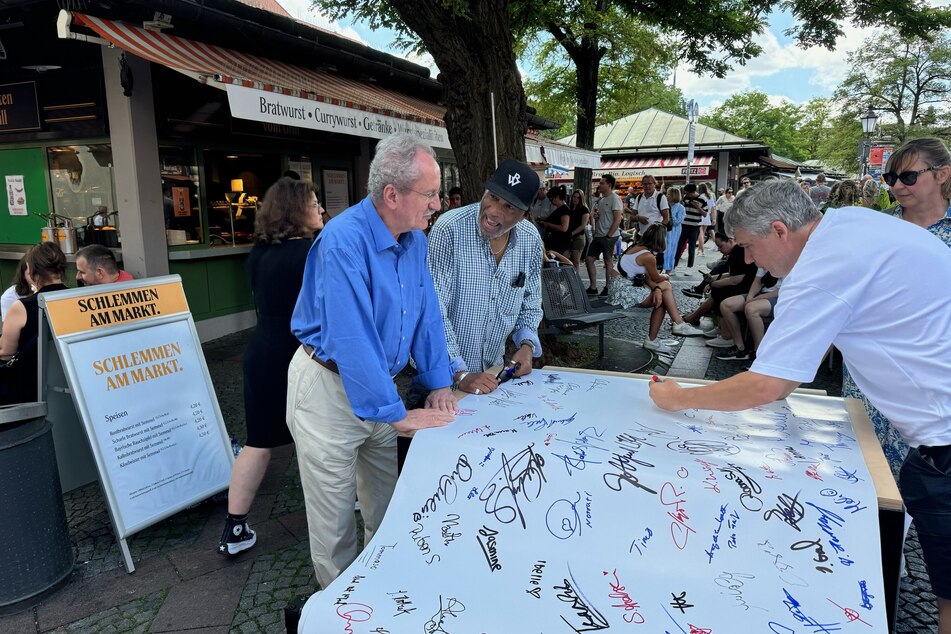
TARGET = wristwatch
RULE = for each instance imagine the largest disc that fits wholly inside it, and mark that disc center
(527, 342)
(455, 383)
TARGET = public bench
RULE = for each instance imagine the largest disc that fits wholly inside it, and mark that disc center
(567, 307)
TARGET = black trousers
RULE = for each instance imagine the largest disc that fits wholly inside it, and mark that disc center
(688, 233)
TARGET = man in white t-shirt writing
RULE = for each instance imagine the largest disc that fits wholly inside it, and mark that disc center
(650, 206)
(606, 220)
(842, 288)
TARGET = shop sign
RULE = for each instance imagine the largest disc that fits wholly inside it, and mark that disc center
(18, 107)
(269, 107)
(640, 172)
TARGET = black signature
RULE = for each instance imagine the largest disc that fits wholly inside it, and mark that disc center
(788, 509)
(527, 482)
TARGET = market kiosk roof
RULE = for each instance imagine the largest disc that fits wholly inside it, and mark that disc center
(654, 131)
(273, 91)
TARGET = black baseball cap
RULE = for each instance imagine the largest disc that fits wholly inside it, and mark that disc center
(514, 182)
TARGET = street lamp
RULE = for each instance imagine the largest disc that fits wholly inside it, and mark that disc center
(869, 121)
(693, 113)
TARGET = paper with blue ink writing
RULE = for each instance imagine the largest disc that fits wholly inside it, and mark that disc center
(567, 502)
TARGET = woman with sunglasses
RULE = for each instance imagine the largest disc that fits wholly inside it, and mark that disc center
(919, 174)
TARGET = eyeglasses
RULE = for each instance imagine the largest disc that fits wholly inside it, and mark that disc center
(907, 178)
(433, 195)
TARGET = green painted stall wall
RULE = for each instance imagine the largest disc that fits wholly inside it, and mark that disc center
(31, 164)
(215, 286)
(8, 269)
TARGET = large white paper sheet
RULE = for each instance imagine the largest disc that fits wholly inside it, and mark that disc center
(568, 502)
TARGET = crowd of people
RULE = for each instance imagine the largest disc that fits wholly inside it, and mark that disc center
(828, 264)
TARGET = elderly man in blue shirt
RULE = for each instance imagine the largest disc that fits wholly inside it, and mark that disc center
(367, 303)
(486, 263)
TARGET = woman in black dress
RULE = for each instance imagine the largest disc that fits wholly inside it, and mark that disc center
(283, 230)
(45, 266)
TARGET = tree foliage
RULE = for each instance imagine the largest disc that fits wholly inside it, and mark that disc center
(902, 78)
(632, 75)
(472, 43)
(749, 114)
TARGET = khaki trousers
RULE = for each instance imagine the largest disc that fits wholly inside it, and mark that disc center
(340, 457)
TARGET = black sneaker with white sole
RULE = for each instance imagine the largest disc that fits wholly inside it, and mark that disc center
(689, 292)
(236, 538)
(735, 354)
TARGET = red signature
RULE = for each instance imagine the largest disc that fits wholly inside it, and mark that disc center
(628, 604)
(354, 613)
(679, 531)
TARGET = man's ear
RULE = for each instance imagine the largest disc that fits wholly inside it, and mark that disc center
(389, 194)
(780, 229)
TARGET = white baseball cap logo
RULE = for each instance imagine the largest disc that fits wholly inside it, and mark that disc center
(515, 179)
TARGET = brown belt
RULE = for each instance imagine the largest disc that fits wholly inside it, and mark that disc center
(330, 365)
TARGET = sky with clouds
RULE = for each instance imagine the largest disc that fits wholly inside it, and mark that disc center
(784, 71)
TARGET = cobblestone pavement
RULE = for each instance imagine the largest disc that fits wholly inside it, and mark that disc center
(182, 584)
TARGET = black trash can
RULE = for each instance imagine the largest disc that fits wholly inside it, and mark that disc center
(35, 553)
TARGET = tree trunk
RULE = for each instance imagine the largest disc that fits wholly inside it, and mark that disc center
(475, 58)
(587, 63)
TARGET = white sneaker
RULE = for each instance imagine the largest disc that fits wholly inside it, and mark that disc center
(706, 323)
(658, 346)
(720, 342)
(684, 329)
(711, 333)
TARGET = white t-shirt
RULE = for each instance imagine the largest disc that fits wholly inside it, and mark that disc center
(606, 208)
(854, 286)
(647, 206)
(6, 301)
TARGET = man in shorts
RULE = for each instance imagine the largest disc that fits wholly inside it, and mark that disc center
(606, 220)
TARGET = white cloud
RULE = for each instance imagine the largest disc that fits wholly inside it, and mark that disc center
(826, 70)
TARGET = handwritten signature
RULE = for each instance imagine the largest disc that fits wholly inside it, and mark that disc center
(521, 476)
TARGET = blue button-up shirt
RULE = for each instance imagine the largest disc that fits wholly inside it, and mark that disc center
(366, 303)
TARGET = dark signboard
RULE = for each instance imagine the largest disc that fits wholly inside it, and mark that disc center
(18, 107)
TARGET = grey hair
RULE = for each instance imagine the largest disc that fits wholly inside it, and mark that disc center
(782, 200)
(394, 163)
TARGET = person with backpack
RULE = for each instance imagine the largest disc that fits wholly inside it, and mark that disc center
(650, 206)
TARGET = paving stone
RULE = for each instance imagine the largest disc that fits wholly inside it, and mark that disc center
(206, 601)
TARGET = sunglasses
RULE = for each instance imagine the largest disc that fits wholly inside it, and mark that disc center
(907, 178)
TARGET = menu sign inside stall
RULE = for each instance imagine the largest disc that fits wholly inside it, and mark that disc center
(19, 111)
(141, 386)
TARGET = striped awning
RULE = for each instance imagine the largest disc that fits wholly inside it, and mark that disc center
(227, 68)
(656, 162)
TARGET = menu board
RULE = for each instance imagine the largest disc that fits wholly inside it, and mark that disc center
(140, 384)
(568, 502)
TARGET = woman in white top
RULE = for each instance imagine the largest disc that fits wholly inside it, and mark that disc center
(655, 292)
(723, 205)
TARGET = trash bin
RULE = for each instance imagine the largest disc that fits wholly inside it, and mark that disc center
(35, 552)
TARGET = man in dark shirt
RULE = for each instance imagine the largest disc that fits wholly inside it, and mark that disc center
(738, 279)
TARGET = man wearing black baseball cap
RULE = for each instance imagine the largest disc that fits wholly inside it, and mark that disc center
(486, 266)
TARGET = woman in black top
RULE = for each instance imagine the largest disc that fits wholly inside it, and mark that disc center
(558, 237)
(283, 230)
(45, 266)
